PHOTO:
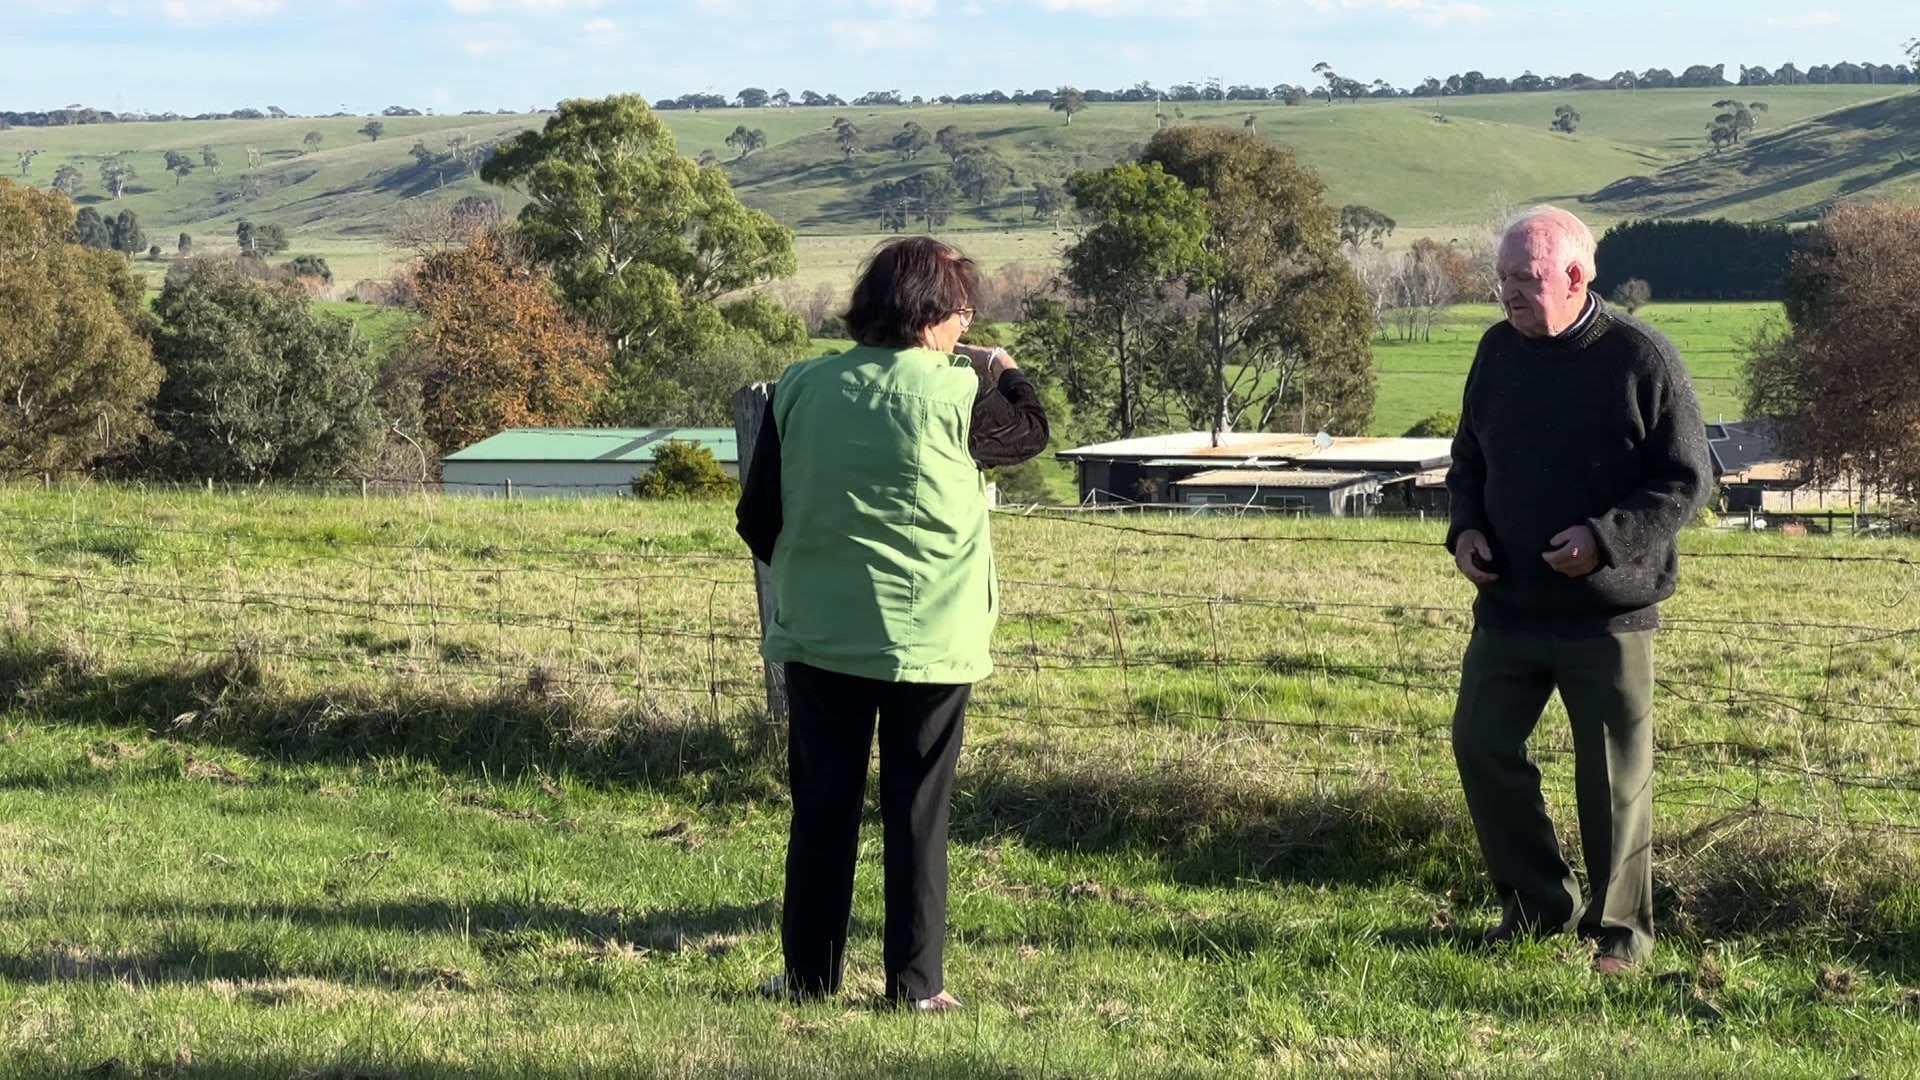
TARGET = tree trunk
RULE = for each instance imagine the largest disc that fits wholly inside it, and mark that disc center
(1222, 419)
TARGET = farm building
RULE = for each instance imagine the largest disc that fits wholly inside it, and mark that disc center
(1428, 494)
(1755, 475)
(1320, 493)
(1151, 470)
(572, 461)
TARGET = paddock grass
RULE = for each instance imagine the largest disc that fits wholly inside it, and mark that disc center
(1418, 378)
(420, 786)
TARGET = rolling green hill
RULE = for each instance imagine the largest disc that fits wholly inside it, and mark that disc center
(1868, 149)
(1433, 164)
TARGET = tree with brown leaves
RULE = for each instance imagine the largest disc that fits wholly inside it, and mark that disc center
(1843, 377)
(76, 374)
(494, 349)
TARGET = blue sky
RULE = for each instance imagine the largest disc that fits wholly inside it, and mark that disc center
(361, 55)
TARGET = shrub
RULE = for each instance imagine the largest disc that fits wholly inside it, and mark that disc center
(985, 333)
(310, 266)
(1441, 425)
(1633, 294)
(685, 470)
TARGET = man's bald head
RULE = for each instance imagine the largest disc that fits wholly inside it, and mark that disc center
(1546, 267)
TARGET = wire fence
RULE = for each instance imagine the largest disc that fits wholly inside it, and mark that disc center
(1109, 657)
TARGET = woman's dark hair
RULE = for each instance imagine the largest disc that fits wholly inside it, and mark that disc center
(906, 287)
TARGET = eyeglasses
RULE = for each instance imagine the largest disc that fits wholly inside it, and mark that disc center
(966, 315)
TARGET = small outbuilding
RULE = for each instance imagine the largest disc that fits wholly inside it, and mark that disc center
(1306, 492)
(1151, 469)
(573, 461)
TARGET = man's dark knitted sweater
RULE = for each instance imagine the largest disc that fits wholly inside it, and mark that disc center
(1598, 427)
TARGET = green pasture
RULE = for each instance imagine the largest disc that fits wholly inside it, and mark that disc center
(304, 785)
(1422, 377)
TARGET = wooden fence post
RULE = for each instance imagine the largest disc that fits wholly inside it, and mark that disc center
(749, 407)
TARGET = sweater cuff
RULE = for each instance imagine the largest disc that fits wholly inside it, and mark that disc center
(1607, 536)
(1456, 528)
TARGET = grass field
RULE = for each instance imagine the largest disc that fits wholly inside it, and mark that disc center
(411, 786)
(1420, 378)
(383, 327)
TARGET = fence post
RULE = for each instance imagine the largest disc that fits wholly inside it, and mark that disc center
(509, 489)
(749, 407)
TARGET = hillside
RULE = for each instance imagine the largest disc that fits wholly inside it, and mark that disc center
(1388, 155)
(1433, 164)
(1868, 149)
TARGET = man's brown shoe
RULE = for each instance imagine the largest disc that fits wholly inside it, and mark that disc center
(940, 1002)
(1613, 965)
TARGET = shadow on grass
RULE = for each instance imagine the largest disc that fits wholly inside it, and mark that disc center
(184, 959)
(782, 1059)
(541, 727)
(1777, 882)
(1211, 826)
(500, 927)
(1213, 823)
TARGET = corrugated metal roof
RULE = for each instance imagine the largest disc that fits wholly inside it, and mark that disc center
(1366, 453)
(1767, 471)
(1274, 478)
(1194, 443)
(1743, 445)
(625, 445)
(1196, 447)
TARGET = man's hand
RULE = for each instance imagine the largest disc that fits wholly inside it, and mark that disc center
(1574, 552)
(1467, 547)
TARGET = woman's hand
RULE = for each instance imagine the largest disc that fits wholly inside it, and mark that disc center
(982, 359)
(988, 363)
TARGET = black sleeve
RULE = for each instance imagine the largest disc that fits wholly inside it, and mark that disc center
(1678, 473)
(1467, 476)
(1009, 423)
(758, 517)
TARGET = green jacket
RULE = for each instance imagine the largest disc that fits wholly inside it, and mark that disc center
(884, 566)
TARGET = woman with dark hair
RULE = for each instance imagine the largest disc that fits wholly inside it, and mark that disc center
(865, 497)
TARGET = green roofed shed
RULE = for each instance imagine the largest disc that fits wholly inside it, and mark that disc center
(573, 461)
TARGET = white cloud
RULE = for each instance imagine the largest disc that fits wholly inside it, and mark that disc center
(875, 35)
(1810, 19)
(538, 7)
(603, 33)
(1431, 13)
(1175, 8)
(213, 12)
(1427, 13)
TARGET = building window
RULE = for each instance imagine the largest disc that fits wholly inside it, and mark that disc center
(1205, 498)
(1285, 502)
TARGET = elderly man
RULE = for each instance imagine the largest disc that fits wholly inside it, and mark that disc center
(1580, 455)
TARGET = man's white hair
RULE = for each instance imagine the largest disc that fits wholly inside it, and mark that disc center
(1573, 241)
